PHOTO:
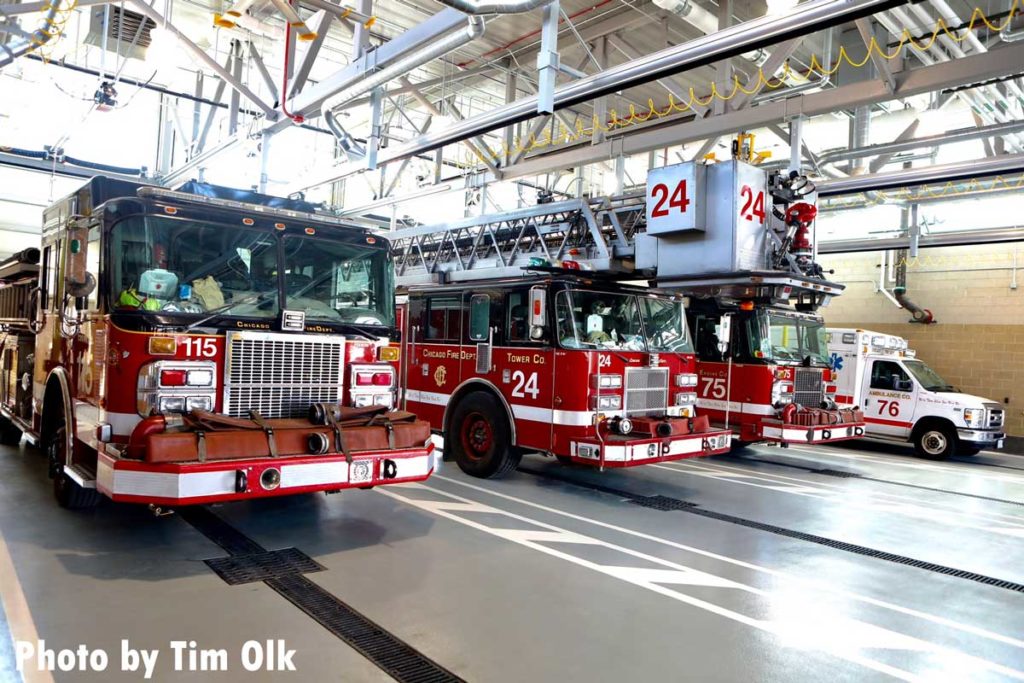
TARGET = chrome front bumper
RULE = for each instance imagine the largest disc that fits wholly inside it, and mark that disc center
(981, 436)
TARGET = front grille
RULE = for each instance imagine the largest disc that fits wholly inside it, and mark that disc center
(995, 416)
(280, 375)
(646, 391)
(808, 389)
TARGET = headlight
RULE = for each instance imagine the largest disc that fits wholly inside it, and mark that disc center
(686, 380)
(608, 381)
(683, 399)
(607, 402)
(782, 392)
(974, 417)
(171, 404)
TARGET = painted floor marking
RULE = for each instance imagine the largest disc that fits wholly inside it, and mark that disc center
(914, 511)
(855, 456)
(19, 618)
(741, 471)
(793, 581)
(795, 624)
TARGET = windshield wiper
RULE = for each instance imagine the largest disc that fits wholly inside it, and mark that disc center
(355, 328)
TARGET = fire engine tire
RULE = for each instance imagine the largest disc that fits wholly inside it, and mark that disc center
(565, 460)
(935, 441)
(480, 439)
(68, 493)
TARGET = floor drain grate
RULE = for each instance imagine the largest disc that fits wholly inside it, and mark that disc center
(661, 503)
(271, 564)
(837, 473)
(399, 660)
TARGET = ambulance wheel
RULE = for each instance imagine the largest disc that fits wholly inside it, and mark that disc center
(480, 438)
(935, 442)
(68, 493)
(967, 450)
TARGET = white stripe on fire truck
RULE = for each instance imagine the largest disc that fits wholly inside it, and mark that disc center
(222, 482)
(571, 418)
(749, 408)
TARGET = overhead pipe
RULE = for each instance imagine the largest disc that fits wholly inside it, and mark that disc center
(42, 35)
(1008, 35)
(730, 42)
(985, 94)
(909, 226)
(476, 8)
(400, 67)
(953, 238)
(947, 138)
(942, 173)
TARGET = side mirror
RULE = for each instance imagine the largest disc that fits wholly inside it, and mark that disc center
(536, 332)
(724, 332)
(78, 281)
(903, 384)
(80, 290)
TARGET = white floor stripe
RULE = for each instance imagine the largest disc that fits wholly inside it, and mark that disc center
(795, 582)
(916, 512)
(798, 625)
(19, 618)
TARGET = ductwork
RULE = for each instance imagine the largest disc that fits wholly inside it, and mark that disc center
(941, 173)
(400, 67)
(41, 36)
(899, 292)
(481, 7)
(1010, 36)
(731, 42)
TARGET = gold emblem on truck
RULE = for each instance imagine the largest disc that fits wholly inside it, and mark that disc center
(440, 375)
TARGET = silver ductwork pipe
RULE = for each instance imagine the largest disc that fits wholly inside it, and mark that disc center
(1008, 35)
(957, 238)
(480, 7)
(941, 173)
(398, 67)
(20, 46)
(731, 42)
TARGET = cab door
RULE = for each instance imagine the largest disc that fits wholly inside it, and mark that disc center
(890, 397)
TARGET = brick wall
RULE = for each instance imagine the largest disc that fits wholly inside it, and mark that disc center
(977, 344)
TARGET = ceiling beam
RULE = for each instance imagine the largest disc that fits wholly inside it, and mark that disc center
(972, 69)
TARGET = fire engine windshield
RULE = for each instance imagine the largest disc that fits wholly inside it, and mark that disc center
(191, 267)
(791, 339)
(624, 322)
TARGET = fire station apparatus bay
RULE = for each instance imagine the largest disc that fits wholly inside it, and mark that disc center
(499, 581)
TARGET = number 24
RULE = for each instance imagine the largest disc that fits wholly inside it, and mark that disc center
(525, 385)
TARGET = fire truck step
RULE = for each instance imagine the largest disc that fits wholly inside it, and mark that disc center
(695, 509)
(398, 659)
(236, 569)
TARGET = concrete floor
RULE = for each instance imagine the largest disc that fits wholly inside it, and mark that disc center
(534, 578)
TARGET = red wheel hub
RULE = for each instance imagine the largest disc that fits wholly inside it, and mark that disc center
(477, 436)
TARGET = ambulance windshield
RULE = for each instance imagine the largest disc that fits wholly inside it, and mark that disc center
(928, 378)
(624, 322)
(178, 266)
(794, 340)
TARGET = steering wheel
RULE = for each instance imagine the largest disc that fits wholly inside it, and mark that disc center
(598, 337)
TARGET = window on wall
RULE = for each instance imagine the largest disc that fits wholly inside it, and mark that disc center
(443, 314)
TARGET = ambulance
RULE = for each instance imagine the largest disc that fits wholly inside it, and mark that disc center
(905, 400)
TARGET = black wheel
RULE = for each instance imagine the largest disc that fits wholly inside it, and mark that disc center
(68, 493)
(565, 460)
(480, 439)
(963, 449)
(935, 442)
(10, 435)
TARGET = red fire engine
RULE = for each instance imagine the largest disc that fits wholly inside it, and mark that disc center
(740, 244)
(557, 361)
(181, 347)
